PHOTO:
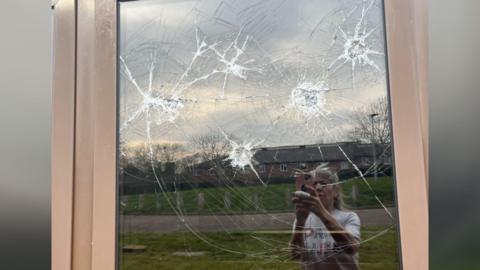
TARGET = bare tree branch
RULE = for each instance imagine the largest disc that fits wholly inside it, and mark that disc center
(378, 132)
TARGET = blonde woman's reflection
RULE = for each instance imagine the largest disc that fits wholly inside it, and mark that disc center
(325, 236)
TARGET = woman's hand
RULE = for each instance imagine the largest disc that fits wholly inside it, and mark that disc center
(296, 243)
(315, 205)
(301, 211)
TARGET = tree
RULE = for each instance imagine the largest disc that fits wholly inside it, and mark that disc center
(168, 152)
(211, 146)
(378, 132)
(142, 156)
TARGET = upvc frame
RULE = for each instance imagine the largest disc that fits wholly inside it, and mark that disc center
(84, 131)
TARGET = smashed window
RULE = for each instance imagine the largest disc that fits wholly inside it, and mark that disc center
(217, 97)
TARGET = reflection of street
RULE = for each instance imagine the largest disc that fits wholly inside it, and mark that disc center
(278, 221)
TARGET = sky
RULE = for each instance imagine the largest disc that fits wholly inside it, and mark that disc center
(265, 71)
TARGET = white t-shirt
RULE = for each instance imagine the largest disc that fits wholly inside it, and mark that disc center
(320, 245)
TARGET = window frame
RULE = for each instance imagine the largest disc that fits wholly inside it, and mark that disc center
(84, 133)
(302, 166)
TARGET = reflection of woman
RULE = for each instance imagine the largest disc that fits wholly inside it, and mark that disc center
(325, 235)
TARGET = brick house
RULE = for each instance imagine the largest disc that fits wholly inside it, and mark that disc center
(284, 161)
(279, 164)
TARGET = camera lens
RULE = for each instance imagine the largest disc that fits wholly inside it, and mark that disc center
(303, 188)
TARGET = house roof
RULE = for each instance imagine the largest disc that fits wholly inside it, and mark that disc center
(315, 153)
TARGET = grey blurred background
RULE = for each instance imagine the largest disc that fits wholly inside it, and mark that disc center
(25, 101)
(25, 98)
(454, 134)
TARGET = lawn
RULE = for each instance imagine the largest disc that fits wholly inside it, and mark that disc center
(256, 250)
(251, 199)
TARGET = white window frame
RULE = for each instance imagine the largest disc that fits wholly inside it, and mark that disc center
(84, 165)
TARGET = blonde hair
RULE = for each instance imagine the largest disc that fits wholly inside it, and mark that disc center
(324, 170)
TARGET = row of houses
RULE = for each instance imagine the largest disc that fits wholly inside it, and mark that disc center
(272, 164)
(284, 161)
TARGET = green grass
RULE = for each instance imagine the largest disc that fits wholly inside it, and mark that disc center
(379, 253)
(272, 198)
(383, 188)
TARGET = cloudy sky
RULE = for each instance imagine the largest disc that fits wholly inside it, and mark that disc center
(248, 68)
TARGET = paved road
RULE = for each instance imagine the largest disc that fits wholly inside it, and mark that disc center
(278, 221)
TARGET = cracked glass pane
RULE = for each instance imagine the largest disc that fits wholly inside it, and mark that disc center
(255, 134)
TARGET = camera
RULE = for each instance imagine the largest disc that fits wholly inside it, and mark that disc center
(302, 180)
